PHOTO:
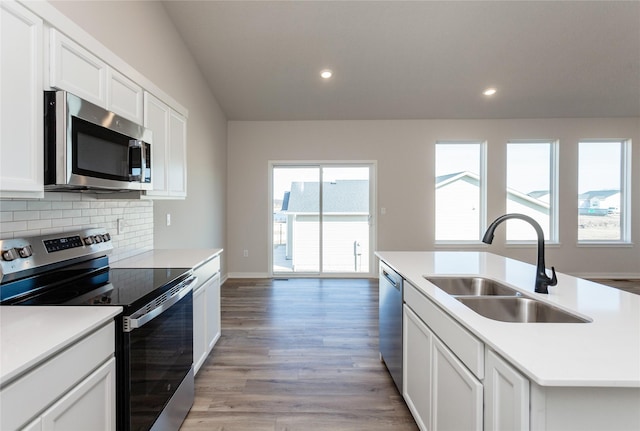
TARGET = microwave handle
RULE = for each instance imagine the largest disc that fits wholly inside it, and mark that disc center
(143, 161)
(138, 144)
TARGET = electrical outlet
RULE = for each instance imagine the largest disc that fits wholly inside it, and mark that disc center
(168, 219)
(245, 253)
(122, 226)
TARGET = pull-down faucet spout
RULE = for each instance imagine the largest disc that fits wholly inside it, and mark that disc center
(542, 279)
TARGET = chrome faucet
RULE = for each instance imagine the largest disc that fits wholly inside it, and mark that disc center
(542, 279)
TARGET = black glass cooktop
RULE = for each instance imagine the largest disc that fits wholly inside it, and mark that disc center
(92, 283)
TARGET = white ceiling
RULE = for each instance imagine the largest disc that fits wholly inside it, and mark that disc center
(417, 59)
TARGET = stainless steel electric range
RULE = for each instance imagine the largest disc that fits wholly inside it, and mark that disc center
(154, 336)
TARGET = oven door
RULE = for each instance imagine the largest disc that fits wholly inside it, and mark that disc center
(157, 362)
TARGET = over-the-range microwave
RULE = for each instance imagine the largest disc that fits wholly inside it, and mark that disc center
(87, 147)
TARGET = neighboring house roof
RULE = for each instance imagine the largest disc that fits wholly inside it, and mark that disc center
(527, 199)
(443, 180)
(598, 194)
(339, 197)
(512, 194)
(537, 194)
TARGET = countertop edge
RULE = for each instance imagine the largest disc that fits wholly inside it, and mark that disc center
(99, 318)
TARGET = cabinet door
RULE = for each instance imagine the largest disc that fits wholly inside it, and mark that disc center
(506, 394)
(156, 118)
(168, 149)
(213, 311)
(21, 105)
(177, 155)
(76, 70)
(416, 379)
(124, 97)
(88, 406)
(199, 328)
(36, 425)
(457, 394)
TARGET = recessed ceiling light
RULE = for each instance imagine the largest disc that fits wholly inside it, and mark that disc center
(326, 74)
(489, 91)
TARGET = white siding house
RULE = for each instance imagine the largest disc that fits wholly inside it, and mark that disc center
(458, 206)
(345, 221)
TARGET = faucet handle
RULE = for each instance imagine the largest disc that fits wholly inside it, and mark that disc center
(554, 280)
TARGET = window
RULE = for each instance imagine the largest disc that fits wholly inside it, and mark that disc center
(531, 188)
(603, 209)
(460, 191)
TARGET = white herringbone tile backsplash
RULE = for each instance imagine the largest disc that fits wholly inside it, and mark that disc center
(64, 212)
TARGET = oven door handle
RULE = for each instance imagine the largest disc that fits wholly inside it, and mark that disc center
(157, 306)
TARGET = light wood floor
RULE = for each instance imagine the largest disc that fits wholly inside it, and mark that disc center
(297, 355)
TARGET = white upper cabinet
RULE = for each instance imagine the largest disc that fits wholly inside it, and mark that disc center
(21, 102)
(75, 69)
(168, 149)
(124, 97)
(178, 155)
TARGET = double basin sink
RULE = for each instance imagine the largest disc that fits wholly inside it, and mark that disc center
(498, 301)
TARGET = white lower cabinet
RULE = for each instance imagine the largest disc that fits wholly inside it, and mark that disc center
(506, 395)
(206, 312)
(213, 312)
(199, 313)
(206, 320)
(416, 370)
(88, 406)
(72, 390)
(440, 391)
(456, 393)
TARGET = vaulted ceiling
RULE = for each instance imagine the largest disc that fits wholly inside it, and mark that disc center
(416, 59)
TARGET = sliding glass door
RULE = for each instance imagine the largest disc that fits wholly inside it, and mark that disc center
(321, 220)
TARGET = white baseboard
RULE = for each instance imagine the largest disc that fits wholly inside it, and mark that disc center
(248, 275)
(296, 275)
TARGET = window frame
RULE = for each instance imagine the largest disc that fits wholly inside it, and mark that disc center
(554, 215)
(482, 184)
(625, 196)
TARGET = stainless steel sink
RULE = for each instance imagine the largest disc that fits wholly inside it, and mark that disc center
(474, 286)
(518, 309)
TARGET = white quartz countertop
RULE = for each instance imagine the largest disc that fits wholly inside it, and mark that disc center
(602, 353)
(30, 335)
(168, 258)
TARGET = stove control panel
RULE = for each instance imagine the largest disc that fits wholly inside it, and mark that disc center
(24, 256)
(66, 243)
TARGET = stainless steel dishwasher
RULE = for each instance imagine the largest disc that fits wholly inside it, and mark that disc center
(390, 321)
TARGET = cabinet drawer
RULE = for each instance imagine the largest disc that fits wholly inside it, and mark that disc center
(28, 396)
(464, 345)
(207, 270)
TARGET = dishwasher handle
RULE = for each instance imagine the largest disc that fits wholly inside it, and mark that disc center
(389, 279)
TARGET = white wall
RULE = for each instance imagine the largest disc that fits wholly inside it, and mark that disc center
(141, 33)
(404, 151)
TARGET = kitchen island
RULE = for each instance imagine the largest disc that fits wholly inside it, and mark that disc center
(574, 375)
